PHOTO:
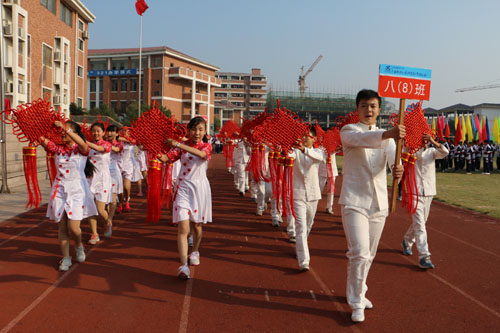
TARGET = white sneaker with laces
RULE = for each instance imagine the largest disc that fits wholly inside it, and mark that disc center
(368, 304)
(358, 315)
(65, 264)
(183, 272)
(80, 254)
(194, 258)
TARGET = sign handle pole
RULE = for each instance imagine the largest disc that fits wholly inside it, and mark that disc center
(397, 161)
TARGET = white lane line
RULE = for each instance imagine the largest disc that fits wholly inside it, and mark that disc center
(185, 305)
(21, 233)
(455, 288)
(312, 295)
(464, 242)
(266, 295)
(40, 298)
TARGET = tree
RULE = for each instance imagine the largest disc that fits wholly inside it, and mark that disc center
(132, 113)
(104, 110)
(216, 124)
(76, 110)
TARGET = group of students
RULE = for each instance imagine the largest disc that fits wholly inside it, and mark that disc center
(368, 151)
(469, 156)
(82, 190)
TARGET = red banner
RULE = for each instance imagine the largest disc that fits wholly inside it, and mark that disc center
(402, 87)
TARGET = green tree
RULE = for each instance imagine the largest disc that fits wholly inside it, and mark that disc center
(216, 124)
(76, 110)
(104, 110)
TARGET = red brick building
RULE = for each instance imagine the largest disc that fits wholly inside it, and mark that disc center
(179, 82)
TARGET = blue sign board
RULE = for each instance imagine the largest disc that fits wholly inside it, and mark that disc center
(112, 72)
(409, 72)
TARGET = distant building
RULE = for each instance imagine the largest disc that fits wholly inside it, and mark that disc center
(44, 54)
(240, 95)
(177, 81)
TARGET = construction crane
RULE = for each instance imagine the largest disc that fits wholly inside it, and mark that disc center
(488, 86)
(302, 76)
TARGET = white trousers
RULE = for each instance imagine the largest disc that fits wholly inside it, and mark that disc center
(241, 177)
(417, 232)
(329, 196)
(275, 214)
(304, 213)
(264, 192)
(363, 228)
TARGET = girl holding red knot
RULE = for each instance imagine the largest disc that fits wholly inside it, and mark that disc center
(193, 197)
(101, 181)
(71, 199)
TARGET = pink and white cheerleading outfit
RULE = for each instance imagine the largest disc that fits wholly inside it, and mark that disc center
(193, 196)
(129, 166)
(114, 169)
(70, 191)
(101, 183)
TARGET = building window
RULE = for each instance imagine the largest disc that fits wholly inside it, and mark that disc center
(98, 65)
(119, 64)
(93, 85)
(29, 46)
(114, 105)
(80, 44)
(81, 26)
(133, 84)
(157, 81)
(157, 62)
(47, 56)
(171, 64)
(49, 4)
(114, 84)
(135, 62)
(156, 93)
(80, 102)
(101, 85)
(80, 71)
(235, 78)
(124, 84)
(123, 106)
(92, 105)
(66, 15)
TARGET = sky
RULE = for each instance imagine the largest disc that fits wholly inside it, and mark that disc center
(458, 40)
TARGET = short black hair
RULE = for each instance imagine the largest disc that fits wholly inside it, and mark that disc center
(112, 128)
(313, 130)
(367, 94)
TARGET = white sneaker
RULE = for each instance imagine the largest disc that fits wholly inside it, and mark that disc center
(258, 212)
(358, 315)
(80, 254)
(329, 211)
(304, 267)
(183, 272)
(194, 258)
(65, 264)
(368, 304)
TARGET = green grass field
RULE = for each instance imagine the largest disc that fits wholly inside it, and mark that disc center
(476, 192)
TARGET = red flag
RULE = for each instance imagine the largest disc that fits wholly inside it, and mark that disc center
(447, 131)
(7, 106)
(458, 133)
(141, 6)
(485, 133)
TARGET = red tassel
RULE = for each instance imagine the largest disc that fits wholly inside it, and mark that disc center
(51, 166)
(154, 191)
(280, 170)
(288, 187)
(168, 184)
(330, 176)
(409, 183)
(228, 153)
(31, 176)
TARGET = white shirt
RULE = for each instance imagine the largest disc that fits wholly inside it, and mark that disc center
(366, 155)
(306, 174)
(322, 167)
(425, 169)
(241, 153)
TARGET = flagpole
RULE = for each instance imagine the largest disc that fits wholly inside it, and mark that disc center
(3, 130)
(140, 67)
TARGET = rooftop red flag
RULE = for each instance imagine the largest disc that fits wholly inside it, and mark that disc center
(141, 6)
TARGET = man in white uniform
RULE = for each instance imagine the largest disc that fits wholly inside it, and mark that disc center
(425, 174)
(363, 199)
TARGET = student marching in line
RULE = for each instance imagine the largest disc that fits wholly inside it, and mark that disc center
(115, 172)
(241, 157)
(328, 162)
(306, 193)
(470, 158)
(130, 171)
(70, 200)
(101, 181)
(193, 199)
(363, 198)
(140, 158)
(425, 175)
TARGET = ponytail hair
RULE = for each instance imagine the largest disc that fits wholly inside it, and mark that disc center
(89, 167)
(195, 122)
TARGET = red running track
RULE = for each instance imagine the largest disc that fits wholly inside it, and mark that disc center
(248, 280)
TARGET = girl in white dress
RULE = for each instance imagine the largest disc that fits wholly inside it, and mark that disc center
(193, 197)
(143, 166)
(70, 197)
(101, 182)
(115, 172)
(130, 170)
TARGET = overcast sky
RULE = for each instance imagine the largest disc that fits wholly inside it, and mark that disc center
(458, 40)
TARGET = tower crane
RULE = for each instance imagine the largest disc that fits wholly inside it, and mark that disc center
(487, 86)
(302, 76)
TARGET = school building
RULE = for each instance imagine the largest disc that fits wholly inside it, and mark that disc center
(240, 95)
(175, 80)
(44, 50)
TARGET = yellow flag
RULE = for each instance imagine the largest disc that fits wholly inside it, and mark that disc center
(470, 134)
(495, 136)
(433, 123)
(456, 120)
(464, 128)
